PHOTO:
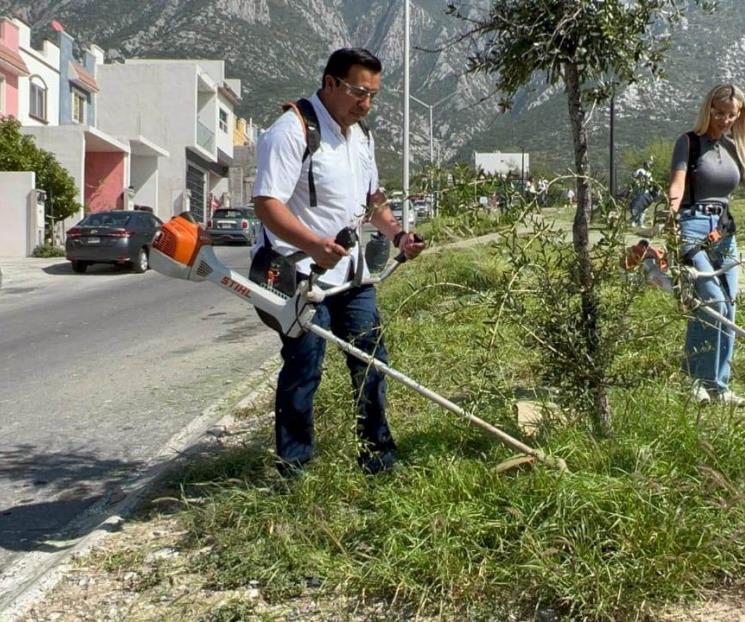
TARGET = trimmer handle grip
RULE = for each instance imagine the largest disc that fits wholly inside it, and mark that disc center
(400, 258)
(347, 238)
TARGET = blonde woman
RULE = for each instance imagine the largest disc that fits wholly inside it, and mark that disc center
(707, 166)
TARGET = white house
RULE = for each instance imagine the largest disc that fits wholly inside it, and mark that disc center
(498, 163)
(57, 105)
(187, 106)
(38, 103)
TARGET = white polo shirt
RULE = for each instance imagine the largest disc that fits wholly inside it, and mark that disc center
(344, 171)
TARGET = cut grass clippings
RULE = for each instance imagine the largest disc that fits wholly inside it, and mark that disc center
(650, 516)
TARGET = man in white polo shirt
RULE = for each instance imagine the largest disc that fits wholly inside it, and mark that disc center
(302, 212)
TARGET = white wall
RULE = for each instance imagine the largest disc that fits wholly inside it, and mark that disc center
(214, 68)
(498, 162)
(67, 143)
(224, 140)
(219, 186)
(160, 100)
(145, 180)
(16, 221)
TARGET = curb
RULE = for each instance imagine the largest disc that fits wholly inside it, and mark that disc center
(37, 573)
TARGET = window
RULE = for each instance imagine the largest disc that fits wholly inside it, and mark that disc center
(38, 99)
(107, 219)
(2, 95)
(78, 106)
(224, 120)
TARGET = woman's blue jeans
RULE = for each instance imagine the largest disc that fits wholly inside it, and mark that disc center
(352, 316)
(709, 346)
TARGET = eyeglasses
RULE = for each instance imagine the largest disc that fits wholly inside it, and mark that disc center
(360, 93)
(721, 114)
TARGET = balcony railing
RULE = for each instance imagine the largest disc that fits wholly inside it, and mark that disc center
(205, 137)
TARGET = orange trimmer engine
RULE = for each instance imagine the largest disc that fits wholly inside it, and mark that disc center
(177, 246)
(181, 238)
(183, 250)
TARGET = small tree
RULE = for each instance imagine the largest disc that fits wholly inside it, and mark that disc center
(592, 46)
(20, 153)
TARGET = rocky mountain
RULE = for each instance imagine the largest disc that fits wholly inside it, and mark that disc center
(278, 48)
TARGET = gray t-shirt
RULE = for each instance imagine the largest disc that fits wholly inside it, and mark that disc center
(718, 172)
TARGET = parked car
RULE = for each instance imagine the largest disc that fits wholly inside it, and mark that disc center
(397, 208)
(422, 208)
(234, 224)
(116, 237)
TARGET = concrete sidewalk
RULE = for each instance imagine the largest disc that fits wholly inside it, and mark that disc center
(20, 271)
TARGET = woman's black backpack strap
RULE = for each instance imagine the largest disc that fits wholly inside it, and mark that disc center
(694, 153)
(726, 225)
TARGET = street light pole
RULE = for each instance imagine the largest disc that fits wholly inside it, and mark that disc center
(612, 163)
(522, 167)
(431, 137)
(407, 28)
(431, 107)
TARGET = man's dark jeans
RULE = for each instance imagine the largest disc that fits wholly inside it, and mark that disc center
(352, 316)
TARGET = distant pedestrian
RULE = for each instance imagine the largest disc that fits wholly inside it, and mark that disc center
(644, 193)
(530, 190)
(542, 191)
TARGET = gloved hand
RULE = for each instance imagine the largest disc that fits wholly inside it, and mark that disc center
(411, 245)
(331, 251)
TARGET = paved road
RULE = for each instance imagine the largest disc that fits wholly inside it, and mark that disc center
(97, 372)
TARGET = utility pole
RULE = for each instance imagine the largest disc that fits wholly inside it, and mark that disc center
(612, 163)
(407, 28)
(522, 167)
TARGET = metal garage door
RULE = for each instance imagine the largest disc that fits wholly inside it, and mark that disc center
(195, 182)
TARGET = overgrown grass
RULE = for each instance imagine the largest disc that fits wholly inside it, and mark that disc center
(654, 514)
(473, 222)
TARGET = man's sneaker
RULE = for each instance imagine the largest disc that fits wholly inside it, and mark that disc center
(730, 398)
(700, 394)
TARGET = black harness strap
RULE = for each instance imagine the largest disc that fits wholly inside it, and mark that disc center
(309, 118)
(365, 129)
(313, 142)
(694, 153)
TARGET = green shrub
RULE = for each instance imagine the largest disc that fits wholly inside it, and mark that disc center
(48, 250)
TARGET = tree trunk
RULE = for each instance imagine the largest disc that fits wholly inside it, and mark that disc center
(596, 372)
